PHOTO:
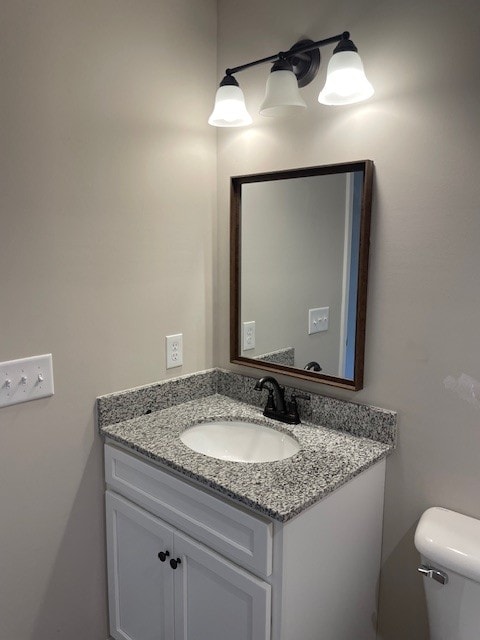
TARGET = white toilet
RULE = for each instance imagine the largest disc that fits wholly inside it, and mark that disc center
(449, 544)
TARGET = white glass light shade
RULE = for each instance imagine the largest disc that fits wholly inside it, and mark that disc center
(229, 109)
(346, 80)
(282, 97)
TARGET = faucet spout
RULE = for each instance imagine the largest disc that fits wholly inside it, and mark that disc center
(313, 366)
(279, 403)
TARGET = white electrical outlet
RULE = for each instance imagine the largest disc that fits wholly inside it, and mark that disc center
(249, 335)
(174, 350)
(26, 379)
(318, 319)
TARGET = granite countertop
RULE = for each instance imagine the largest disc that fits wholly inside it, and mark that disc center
(327, 458)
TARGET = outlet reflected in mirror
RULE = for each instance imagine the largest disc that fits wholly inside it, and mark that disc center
(299, 249)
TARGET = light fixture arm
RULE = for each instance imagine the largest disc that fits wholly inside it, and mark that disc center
(296, 51)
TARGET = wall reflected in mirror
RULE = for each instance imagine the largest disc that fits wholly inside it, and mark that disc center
(299, 256)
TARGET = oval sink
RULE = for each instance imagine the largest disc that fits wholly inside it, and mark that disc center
(239, 441)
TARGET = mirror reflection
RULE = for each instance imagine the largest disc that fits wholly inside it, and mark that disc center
(300, 239)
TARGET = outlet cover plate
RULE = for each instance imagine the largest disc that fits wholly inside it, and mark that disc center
(174, 350)
(249, 335)
(26, 379)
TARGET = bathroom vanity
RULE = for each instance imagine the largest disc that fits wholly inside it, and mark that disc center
(186, 564)
(205, 549)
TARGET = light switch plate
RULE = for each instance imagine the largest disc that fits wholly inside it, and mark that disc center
(26, 379)
(318, 319)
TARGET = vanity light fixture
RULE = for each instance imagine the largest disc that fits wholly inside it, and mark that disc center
(346, 82)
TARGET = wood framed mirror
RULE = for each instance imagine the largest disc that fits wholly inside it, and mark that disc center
(299, 244)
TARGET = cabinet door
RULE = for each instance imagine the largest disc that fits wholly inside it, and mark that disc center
(215, 599)
(140, 586)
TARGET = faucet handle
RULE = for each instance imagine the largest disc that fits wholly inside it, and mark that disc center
(299, 396)
(293, 406)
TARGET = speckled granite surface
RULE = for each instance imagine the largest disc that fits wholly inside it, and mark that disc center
(281, 356)
(123, 405)
(281, 490)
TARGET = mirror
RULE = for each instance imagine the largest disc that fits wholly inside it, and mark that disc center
(299, 265)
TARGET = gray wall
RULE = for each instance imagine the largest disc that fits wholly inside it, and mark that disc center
(107, 204)
(294, 229)
(422, 130)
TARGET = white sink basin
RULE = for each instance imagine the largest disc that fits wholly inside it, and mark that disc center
(239, 441)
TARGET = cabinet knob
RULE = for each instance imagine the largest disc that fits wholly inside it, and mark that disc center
(174, 563)
(163, 555)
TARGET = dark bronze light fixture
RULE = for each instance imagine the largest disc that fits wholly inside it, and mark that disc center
(346, 82)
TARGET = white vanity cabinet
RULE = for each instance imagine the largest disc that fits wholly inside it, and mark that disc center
(165, 586)
(236, 575)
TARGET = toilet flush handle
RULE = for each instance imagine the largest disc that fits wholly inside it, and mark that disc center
(431, 572)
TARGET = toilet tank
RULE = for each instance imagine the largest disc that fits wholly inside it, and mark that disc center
(449, 543)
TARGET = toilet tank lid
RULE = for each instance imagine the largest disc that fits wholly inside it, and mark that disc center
(451, 539)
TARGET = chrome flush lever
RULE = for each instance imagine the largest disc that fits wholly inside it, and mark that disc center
(431, 572)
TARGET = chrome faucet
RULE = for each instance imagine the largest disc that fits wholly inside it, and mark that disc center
(276, 406)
